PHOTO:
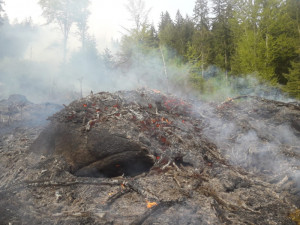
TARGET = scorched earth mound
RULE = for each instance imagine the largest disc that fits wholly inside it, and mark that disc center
(142, 157)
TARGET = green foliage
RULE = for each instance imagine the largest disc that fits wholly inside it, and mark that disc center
(293, 80)
(257, 38)
(167, 35)
(222, 33)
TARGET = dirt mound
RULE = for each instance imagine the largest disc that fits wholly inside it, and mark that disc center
(142, 157)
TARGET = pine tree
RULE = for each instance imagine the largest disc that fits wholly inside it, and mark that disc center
(293, 77)
(246, 37)
(166, 30)
(201, 13)
(184, 29)
(277, 48)
(199, 48)
(222, 33)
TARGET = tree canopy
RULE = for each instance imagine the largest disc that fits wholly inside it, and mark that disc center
(258, 38)
(65, 13)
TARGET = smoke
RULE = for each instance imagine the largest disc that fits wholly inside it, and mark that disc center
(31, 65)
(262, 142)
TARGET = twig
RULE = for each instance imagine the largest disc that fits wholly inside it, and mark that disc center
(135, 187)
(49, 183)
(177, 182)
(165, 166)
(116, 196)
(177, 168)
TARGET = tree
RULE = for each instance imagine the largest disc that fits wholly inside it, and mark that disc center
(201, 12)
(246, 36)
(1, 10)
(278, 43)
(200, 46)
(82, 20)
(222, 33)
(108, 59)
(184, 29)
(293, 76)
(140, 37)
(138, 13)
(166, 32)
(64, 13)
(293, 80)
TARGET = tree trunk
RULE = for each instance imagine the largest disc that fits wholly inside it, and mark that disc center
(65, 47)
(165, 68)
(225, 61)
(202, 65)
(297, 18)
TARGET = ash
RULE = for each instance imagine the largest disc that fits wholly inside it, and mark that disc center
(143, 157)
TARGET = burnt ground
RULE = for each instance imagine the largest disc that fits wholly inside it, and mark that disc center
(143, 157)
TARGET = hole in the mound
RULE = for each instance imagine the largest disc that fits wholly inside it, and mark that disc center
(128, 164)
(130, 168)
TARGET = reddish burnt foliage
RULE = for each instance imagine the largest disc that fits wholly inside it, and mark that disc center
(173, 103)
(163, 140)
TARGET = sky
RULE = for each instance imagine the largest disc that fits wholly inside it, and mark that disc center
(107, 17)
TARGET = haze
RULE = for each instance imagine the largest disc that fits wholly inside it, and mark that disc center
(106, 19)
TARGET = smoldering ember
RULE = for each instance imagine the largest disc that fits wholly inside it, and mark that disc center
(145, 157)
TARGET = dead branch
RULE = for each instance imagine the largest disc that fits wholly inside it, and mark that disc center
(48, 183)
(115, 197)
(145, 193)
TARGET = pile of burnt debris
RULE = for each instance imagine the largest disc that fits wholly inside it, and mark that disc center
(17, 111)
(143, 157)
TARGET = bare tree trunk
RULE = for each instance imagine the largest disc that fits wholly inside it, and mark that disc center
(165, 68)
(65, 47)
(226, 61)
(202, 64)
(267, 46)
(297, 18)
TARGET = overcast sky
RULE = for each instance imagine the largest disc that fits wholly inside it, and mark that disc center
(107, 16)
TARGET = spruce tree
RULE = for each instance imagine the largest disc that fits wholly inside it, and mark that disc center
(222, 33)
(199, 48)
